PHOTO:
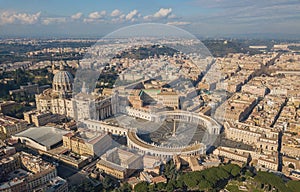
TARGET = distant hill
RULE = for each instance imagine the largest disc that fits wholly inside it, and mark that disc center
(220, 48)
(145, 52)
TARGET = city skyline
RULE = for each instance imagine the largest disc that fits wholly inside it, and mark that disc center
(218, 18)
(151, 96)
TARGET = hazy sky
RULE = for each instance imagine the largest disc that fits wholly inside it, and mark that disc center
(79, 18)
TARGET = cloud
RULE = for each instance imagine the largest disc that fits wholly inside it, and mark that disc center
(97, 15)
(77, 16)
(131, 15)
(122, 16)
(160, 14)
(89, 20)
(7, 17)
(172, 16)
(247, 12)
(229, 4)
(28, 18)
(53, 20)
(178, 23)
(119, 19)
(115, 13)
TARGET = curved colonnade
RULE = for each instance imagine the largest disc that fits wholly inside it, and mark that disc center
(134, 142)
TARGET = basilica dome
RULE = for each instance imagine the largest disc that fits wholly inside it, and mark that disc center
(62, 81)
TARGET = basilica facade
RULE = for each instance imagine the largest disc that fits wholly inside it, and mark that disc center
(84, 105)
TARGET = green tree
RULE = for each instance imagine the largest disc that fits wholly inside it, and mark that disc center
(204, 185)
(125, 188)
(235, 171)
(191, 183)
(88, 186)
(141, 187)
(249, 173)
(107, 183)
(152, 188)
(293, 186)
(179, 183)
(171, 185)
(161, 186)
(222, 174)
(265, 179)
